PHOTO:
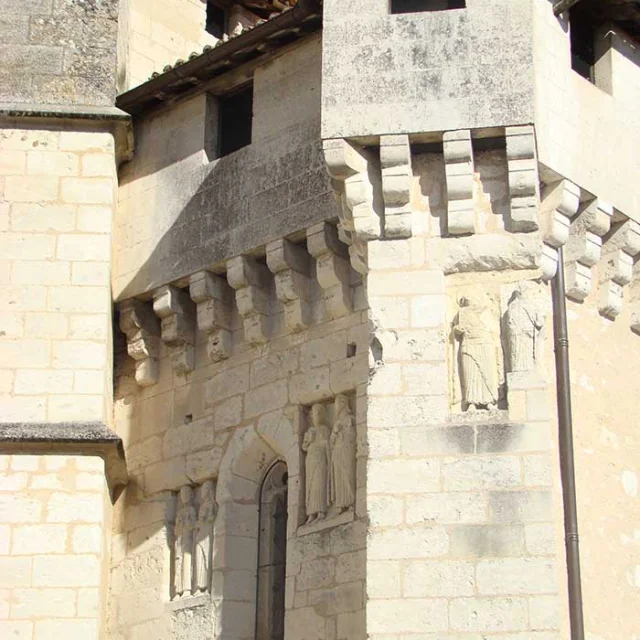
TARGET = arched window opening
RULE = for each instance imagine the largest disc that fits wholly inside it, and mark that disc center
(272, 554)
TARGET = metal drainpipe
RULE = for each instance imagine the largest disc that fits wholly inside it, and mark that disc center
(567, 466)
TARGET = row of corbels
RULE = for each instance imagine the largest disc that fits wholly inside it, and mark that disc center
(206, 304)
(592, 233)
(375, 189)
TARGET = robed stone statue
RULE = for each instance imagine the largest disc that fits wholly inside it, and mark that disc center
(204, 536)
(316, 445)
(343, 456)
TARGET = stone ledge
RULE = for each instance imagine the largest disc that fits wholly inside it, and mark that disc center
(69, 438)
(188, 602)
(327, 523)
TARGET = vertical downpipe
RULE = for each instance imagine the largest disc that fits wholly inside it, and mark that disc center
(567, 463)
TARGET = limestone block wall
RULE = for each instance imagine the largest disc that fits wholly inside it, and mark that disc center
(53, 547)
(574, 117)
(58, 52)
(425, 71)
(229, 420)
(58, 189)
(180, 210)
(158, 33)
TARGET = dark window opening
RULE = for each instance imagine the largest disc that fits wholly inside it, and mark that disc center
(216, 20)
(415, 6)
(583, 43)
(236, 115)
(272, 554)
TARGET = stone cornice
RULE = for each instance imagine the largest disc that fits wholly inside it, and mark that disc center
(69, 438)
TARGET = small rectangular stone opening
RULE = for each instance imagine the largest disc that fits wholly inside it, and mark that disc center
(216, 19)
(416, 6)
(235, 113)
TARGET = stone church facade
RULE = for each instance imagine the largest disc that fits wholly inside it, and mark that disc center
(283, 348)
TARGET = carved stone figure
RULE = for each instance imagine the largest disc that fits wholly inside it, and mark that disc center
(343, 456)
(316, 445)
(477, 354)
(204, 536)
(525, 332)
(186, 520)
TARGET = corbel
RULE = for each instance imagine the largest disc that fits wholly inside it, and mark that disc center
(177, 323)
(458, 162)
(251, 283)
(584, 247)
(142, 328)
(560, 203)
(616, 270)
(395, 163)
(635, 298)
(290, 265)
(524, 191)
(355, 177)
(332, 268)
(212, 296)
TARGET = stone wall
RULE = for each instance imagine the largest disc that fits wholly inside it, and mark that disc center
(158, 33)
(428, 71)
(180, 212)
(587, 133)
(230, 420)
(58, 192)
(58, 52)
(53, 520)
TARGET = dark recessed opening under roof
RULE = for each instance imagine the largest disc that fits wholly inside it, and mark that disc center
(235, 118)
(416, 6)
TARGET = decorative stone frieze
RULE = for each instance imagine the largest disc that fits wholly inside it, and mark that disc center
(250, 280)
(523, 178)
(584, 247)
(560, 203)
(329, 445)
(395, 162)
(213, 297)
(290, 265)
(332, 268)
(356, 177)
(458, 160)
(142, 328)
(177, 321)
(616, 270)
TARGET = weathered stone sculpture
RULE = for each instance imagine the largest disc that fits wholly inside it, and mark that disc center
(185, 525)
(525, 332)
(477, 355)
(204, 537)
(343, 456)
(316, 446)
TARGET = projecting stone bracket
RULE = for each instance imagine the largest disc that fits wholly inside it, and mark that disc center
(584, 247)
(177, 322)
(332, 268)
(213, 298)
(142, 328)
(395, 163)
(458, 162)
(560, 203)
(621, 248)
(251, 283)
(524, 188)
(290, 265)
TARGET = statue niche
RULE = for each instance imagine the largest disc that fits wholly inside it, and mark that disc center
(477, 361)
(185, 525)
(525, 330)
(330, 464)
(204, 537)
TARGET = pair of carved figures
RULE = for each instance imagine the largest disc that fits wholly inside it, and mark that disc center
(193, 541)
(330, 464)
(476, 329)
